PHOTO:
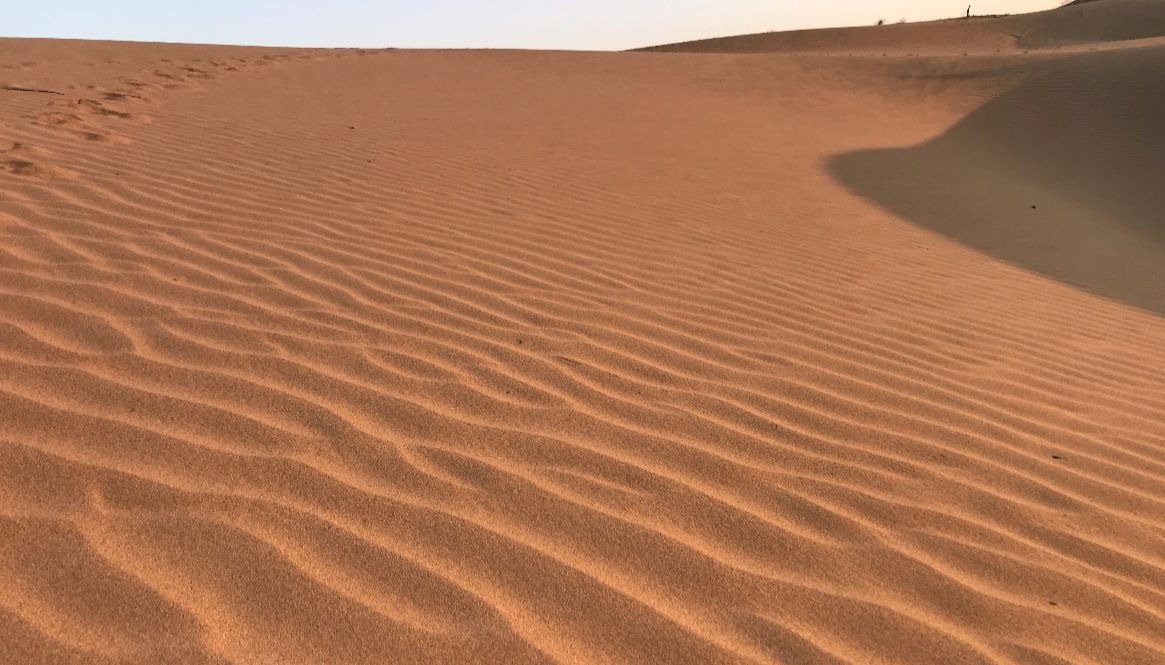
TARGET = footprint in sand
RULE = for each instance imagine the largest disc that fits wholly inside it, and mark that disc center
(104, 109)
(118, 96)
(195, 72)
(74, 122)
(21, 160)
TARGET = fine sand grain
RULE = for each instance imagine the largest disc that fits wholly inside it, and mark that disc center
(389, 356)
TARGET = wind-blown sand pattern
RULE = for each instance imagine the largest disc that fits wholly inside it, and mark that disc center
(390, 356)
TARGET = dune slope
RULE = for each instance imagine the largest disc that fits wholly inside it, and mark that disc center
(1074, 25)
(364, 357)
(1060, 175)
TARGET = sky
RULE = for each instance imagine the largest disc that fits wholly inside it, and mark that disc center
(545, 24)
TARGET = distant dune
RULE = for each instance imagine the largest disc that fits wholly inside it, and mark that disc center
(809, 355)
(1075, 25)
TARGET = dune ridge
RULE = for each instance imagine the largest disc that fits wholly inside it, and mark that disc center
(392, 356)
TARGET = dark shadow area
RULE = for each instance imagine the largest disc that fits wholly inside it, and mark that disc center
(1063, 175)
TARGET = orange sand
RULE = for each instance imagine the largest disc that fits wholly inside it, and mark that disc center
(387, 356)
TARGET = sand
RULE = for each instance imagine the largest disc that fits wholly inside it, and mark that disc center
(503, 357)
(1087, 24)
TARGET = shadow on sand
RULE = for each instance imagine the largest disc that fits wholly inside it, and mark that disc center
(1063, 175)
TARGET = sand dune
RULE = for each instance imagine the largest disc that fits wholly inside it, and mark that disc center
(1086, 25)
(1060, 175)
(392, 356)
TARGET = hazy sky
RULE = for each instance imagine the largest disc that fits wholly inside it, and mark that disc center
(565, 24)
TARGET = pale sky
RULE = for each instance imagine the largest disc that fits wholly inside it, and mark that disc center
(566, 24)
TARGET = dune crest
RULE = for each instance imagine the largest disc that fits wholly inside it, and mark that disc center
(504, 357)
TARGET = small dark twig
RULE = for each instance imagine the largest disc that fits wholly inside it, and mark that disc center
(13, 88)
(570, 360)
